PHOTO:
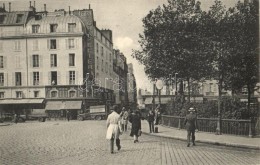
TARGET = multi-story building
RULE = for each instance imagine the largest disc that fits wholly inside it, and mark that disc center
(120, 85)
(53, 60)
(131, 86)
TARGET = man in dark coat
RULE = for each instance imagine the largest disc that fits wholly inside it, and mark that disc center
(136, 125)
(191, 125)
(150, 119)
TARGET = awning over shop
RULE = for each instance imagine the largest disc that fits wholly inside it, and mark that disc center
(54, 105)
(72, 104)
(21, 101)
(148, 100)
(61, 105)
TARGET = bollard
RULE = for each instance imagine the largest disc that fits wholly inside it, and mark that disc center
(156, 130)
(250, 128)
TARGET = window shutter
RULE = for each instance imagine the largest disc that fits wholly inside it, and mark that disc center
(5, 79)
(76, 77)
(48, 44)
(40, 61)
(67, 43)
(5, 61)
(41, 78)
(13, 78)
(59, 78)
(67, 78)
(31, 61)
(23, 79)
(49, 78)
(57, 44)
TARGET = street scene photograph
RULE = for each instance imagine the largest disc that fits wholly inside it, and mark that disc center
(120, 82)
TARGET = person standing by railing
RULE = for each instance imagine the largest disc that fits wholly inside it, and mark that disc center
(191, 125)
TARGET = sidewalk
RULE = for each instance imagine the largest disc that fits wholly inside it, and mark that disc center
(204, 137)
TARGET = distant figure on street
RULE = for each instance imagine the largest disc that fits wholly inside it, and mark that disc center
(16, 118)
(150, 119)
(135, 119)
(157, 115)
(114, 128)
(68, 115)
(191, 125)
(125, 120)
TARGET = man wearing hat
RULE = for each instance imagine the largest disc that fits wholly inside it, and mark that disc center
(191, 125)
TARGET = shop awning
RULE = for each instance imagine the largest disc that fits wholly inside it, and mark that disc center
(54, 105)
(61, 105)
(21, 101)
(72, 105)
(148, 100)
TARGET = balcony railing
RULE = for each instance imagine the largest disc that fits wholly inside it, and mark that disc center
(229, 126)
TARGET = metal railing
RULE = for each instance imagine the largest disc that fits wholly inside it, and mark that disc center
(228, 126)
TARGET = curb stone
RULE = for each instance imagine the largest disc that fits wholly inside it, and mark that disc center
(206, 141)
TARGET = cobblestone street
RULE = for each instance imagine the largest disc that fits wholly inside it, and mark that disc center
(83, 142)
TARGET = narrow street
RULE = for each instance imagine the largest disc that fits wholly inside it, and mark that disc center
(83, 142)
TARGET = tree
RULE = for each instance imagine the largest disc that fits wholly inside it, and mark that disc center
(172, 42)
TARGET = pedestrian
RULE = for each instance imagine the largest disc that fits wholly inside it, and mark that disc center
(191, 125)
(150, 119)
(68, 115)
(16, 118)
(125, 120)
(157, 115)
(135, 119)
(114, 128)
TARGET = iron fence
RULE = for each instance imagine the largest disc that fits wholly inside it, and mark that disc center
(228, 126)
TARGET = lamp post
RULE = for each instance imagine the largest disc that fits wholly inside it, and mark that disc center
(176, 84)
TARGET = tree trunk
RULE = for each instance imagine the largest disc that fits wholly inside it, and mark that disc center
(218, 130)
(188, 80)
(248, 100)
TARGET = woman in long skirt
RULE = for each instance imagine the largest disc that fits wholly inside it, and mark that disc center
(136, 125)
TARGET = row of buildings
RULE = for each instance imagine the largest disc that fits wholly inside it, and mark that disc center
(60, 60)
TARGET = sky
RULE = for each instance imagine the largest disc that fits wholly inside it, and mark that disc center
(123, 17)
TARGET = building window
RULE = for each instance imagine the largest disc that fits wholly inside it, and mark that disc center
(35, 28)
(110, 57)
(54, 78)
(19, 18)
(54, 93)
(1, 46)
(19, 94)
(53, 43)
(97, 63)
(36, 78)
(1, 61)
(97, 47)
(2, 19)
(53, 60)
(53, 28)
(2, 79)
(2, 95)
(71, 27)
(102, 66)
(106, 67)
(36, 94)
(35, 45)
(71, 59)
(71, 43)
(72, 77)
(35, 60)
(102, 51)
(17, 45)
(72, 93)
(18, 78)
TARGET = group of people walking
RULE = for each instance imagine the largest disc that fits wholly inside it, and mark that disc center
(117, 123)
(118, 120)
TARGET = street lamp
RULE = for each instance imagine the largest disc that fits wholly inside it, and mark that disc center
(176, 84)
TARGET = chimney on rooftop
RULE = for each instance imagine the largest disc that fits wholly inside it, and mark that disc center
(30, 4)
(89, 6)
(45, 7)
(34, 4)
(9, 6)
(4, 6)
(69, 10)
